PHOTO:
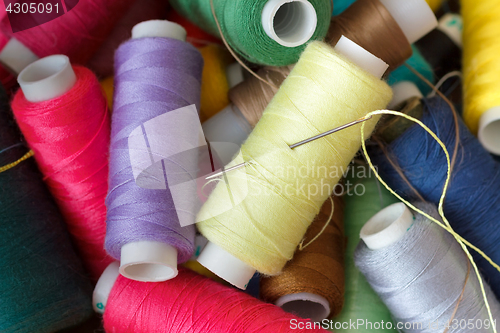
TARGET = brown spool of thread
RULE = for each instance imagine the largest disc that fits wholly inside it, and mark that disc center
(317, 269)
(383, 38)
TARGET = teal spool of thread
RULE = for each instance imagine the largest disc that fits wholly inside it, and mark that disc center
(241, 26)
(365, 198)
(418, 62)
(340, 5)
(43, 287)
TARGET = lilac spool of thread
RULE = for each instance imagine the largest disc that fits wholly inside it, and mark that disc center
(156, 72)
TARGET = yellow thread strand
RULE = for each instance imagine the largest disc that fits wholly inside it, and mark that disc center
(481, 64)
(322, 229)
(13, 164)
(446, 224)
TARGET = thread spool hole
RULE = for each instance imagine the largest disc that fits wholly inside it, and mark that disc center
(290, 23)
(490, 137)
(306, 309)
(148, 272)
(44, 69)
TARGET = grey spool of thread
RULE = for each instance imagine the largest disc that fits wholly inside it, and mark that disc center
(421, 276)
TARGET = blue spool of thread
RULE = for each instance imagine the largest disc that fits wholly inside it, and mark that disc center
(472, 203)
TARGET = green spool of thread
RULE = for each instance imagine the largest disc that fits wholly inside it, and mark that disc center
(361, 302)
(247, 25)
(417, 61)
(43, 287)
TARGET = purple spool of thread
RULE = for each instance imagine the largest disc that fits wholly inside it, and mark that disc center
(156, 72)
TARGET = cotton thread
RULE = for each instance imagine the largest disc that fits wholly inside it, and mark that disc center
(70, 136)
(360, 299)
(13, 164)
(77, 34)
(43, 285)
(289, 118)
(241, 26)
(152, 77)
(191, 303)
(474, 167)
(317, 269)
(480, 66)
(463, 243)
(428, 264)
(341, 5)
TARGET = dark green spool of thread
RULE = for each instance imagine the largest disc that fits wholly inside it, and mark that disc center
(241, 25)
(361, 302)
(43, 287)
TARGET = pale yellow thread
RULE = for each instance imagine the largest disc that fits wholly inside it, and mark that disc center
(13, 164)
(446, 224)
(322, 230)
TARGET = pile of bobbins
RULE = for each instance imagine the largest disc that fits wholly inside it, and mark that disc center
(205, 165)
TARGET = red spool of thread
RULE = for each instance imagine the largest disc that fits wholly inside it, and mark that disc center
(63, 115)
(191, 303)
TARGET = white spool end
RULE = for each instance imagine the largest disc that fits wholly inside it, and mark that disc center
(234, 74)
(305, 305)
(148, 261)
(489, 130)
(403, 91)
(226, 266)
(47, 78)
(387, 226)
(452, 25)
(16, 56)
(361, 57)
(290, 23)
(159, 28)
(414, 17)
(103, 287)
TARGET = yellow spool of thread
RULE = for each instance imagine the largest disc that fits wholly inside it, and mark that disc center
(481, 64)
(214, 84)
(108, 86)
(323, 91)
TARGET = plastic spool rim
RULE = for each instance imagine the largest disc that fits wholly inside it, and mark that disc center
(290, 23)
(305, 305)
(387, 226)
(489, 130)
(47, 78)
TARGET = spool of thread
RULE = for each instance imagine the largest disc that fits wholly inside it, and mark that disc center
(241, 242)
(188, 303)
(442, 47)
(340, 5)
(140, 10)
(406, 257)
(265, 32)
(63, 115)
(360, 205)
(397, 22)
(43, 287)
(194, 35)
(481, 71)
(404, 74)
(156, 72)
(77, 34)
(472, 200)
(312, 283)
(214, 83)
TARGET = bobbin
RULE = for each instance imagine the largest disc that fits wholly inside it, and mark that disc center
(224, 264)
(403, 91)
(489, 130)
(103, 287)
(16, 56)
(47, 78)
(150, 261)
(290, 23)
(387, 226)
